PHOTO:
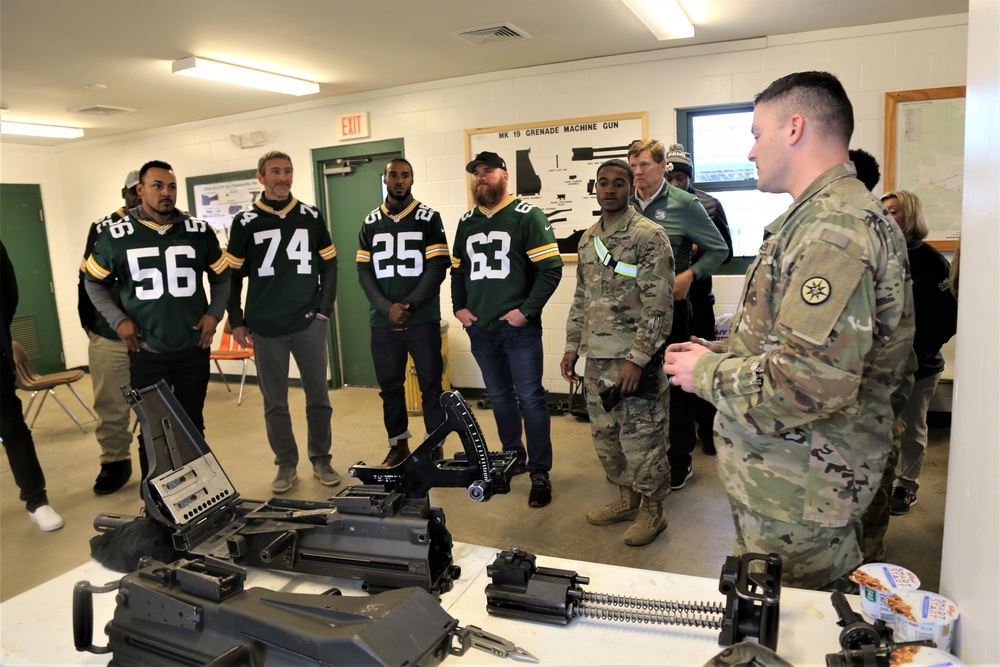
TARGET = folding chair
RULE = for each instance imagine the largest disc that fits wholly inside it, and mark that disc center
(229, 349)
(28, 379)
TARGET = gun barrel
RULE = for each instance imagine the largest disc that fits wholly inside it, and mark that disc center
(108, 521)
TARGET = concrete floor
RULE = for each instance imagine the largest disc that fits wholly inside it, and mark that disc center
(698, 539)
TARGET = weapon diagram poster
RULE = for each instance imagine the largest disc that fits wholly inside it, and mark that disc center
(553, 164)
(217, 198)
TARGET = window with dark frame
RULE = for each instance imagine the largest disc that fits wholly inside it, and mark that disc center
(718, 138)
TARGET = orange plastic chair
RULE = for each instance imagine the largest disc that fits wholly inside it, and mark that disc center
(229, 350)
(28, 379)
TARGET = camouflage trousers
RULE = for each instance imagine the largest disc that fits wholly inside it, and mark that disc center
(814, 557)
(631, 439)
(875, 520)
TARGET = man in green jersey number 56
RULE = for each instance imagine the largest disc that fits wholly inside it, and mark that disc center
(283, 247)
(155, 258)
(505, 266)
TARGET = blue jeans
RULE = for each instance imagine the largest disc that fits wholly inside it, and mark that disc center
(271, 354)
(389, 350)
(511, 362)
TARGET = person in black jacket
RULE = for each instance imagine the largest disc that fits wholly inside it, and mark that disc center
(14, 432)
(679, 172)
(936, 320)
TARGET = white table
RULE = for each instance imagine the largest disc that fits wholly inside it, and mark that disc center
(36, 626)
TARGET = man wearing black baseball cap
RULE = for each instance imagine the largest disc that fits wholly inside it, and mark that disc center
(486, 157)
(505, 265)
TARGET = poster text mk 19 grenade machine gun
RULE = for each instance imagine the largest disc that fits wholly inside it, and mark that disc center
(383, 532)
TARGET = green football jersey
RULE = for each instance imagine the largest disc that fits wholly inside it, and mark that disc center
(497, 254)
(89, 317)
(158, 271)
(282, 253)
(397, 248)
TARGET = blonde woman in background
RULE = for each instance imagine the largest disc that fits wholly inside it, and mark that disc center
(936, 314)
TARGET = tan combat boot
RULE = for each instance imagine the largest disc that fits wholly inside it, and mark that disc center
(647, 525)
(623, 509)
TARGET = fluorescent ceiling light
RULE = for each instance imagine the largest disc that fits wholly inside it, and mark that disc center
(664, 18)
(243, 76)
(36, 130)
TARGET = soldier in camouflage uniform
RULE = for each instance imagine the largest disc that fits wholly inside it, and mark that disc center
(620, 318)
(818, 344)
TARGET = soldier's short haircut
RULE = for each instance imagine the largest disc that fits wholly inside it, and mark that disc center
(914, 223)
(270, 155)
(867, 167)
(153, 164)
(655, 148)
(818, 96)
(395, 160)
(621, 164)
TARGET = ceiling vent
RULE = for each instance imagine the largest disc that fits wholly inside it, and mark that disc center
(494, 34)
(102, 110)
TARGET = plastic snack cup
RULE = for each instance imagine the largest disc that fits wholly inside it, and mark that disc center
(878, 582)
(924, 615)
(923, 656)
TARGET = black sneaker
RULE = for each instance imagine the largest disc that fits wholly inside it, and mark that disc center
(679, 478)
(112, 477)
(541, 492)
(902, 500)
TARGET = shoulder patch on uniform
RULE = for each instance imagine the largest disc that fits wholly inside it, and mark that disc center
(815, 290)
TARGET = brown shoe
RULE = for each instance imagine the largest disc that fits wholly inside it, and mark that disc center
(647, 525)
(625, 508)
(397, 454)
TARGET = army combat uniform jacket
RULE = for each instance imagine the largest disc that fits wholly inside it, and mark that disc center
(818, 345)
(623, 304)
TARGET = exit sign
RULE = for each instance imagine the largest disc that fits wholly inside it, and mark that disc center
(353, 126)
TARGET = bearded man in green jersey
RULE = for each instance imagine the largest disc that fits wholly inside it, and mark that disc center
(505, 266)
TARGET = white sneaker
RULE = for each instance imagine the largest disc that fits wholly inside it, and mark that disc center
(46, 518)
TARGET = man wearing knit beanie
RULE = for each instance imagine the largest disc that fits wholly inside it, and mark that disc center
(680, 172)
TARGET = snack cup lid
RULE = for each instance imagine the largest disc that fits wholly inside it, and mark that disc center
(924, 656)
(930, 607)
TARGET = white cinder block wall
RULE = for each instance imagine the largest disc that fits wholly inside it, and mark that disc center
(80, 182)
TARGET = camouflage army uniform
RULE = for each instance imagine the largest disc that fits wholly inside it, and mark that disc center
(617, 317)
(818, 345)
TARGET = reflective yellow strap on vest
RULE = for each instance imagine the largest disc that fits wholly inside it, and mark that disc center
(604, 255)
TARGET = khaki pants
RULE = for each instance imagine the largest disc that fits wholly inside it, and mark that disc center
(109, 366)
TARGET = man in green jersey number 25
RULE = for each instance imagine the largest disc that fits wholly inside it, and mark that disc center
(402, 260)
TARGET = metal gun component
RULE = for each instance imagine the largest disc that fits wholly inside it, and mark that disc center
(496, 645)
(482, 472)
(863, 644)
(197, 612)
(383, 533)
(752, 584)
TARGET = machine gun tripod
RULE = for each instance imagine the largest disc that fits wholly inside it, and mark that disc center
(751, 584)
(383, 532)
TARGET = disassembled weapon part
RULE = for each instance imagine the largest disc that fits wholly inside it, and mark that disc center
(751, 583)
(863, 644)
(383, 532)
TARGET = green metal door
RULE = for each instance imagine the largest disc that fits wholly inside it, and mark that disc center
(350, 179)
(36, 323)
